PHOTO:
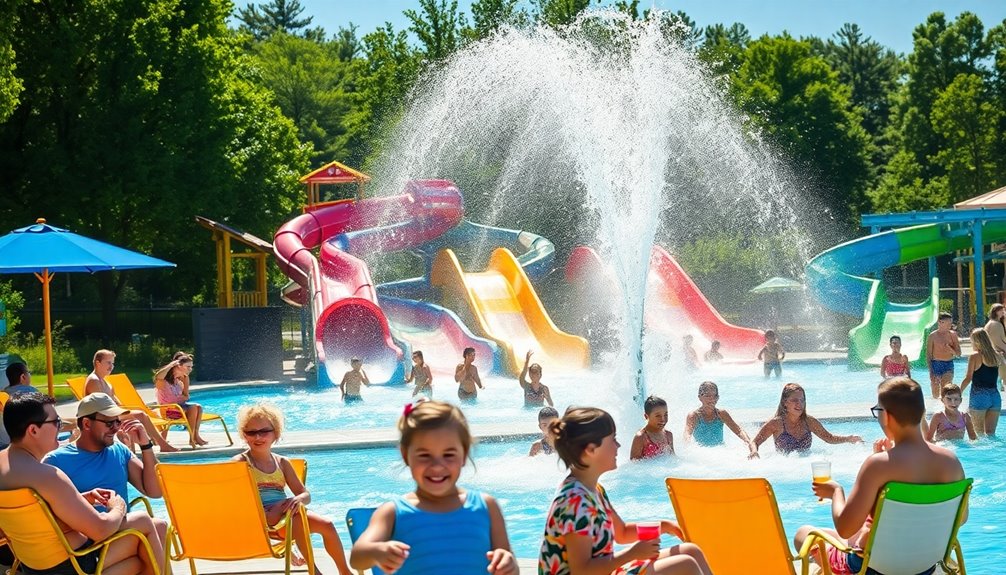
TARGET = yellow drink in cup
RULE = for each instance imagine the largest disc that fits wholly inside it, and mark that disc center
(821, 471)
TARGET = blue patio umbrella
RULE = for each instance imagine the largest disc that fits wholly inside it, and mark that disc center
(43, 250)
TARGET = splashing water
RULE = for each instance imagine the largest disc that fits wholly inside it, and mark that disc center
(609, 128)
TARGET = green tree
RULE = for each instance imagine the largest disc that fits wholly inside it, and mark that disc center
(143, 115)
(722, 48)
(309, 81)
(798, 100)
(347, 44)
(383, 79)
(488, 16)
(967, 120)
(558, 13)
(10, 84)
(438, 26)
(869, 69)
(262, 21)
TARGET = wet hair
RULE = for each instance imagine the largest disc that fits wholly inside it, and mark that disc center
(418, 354)
(944, 315)
(467, 351)
(985, 347)
(24, 410)
(652, 403)
(429, 415)
(547, 413)
(902, 399)
(894, 337)
(688, 338)
(15, 371)
(950, 389)
(707, 386)
(769, 333)
(102, 354)
(715, 344)
(535, 367)
(788, 390)
(264, 410)
(578, 428)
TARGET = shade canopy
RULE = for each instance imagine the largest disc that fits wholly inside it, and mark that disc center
(43, 249)
(776, 285)
(39, 247)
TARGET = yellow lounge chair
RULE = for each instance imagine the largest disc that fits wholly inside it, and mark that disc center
(216, 514)
(76, 385)
(127, 394)
(736, 522)
(38, 541)
(914, 527)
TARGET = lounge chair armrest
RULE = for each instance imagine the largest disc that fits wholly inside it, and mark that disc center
(818, 539)
(145, 502)
(166, 405)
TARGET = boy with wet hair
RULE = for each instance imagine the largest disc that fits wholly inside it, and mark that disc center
(902, 455)
(546, 416)
(352, 381)
(942, 347)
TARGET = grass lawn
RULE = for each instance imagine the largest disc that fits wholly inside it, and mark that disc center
(140, 377)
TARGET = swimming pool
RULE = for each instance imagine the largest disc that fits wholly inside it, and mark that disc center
(342, 479)
(310, 407)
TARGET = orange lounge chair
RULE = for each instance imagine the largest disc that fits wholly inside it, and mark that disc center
(216, 514)
(736, 522)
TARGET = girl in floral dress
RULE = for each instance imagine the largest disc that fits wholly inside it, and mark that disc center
(582, 526)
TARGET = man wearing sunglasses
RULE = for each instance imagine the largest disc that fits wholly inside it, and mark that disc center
(32, 423)
(97, 460)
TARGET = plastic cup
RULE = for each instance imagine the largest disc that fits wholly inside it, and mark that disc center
(646, 530)
(821, 471)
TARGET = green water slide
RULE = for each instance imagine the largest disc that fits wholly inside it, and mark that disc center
(838, 278)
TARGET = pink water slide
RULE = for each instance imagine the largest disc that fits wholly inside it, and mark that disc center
(337, 287)
(673, 302)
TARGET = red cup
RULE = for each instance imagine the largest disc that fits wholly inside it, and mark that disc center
(646, 530)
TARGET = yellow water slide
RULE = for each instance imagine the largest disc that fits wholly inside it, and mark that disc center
(501, 303)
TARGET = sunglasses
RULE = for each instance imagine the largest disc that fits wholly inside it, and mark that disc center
(57, 423)
(111, 423)
(258, 432)
(875, 410)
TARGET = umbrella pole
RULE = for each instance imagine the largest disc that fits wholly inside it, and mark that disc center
(45, 278)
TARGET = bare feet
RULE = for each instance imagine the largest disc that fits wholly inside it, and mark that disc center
(296, 560)
(168, 448)
(201, 441)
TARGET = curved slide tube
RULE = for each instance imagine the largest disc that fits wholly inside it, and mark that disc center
(503, 305)
(836, 277)
(347, 320)
(674, 304)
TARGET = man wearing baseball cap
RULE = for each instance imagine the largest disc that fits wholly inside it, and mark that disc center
(32, 423)
(98, 461)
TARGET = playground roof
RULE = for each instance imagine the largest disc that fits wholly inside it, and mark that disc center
(335, 173)
(254, 242)
(993, 199)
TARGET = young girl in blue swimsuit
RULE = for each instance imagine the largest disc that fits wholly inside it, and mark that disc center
(705, 424)
(439, 527)
(792, 429)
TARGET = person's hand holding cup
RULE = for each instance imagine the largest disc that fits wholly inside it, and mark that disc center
(821, 471)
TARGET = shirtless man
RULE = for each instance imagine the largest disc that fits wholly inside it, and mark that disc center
(352, 380)
(902, 455)
(942, 347)
(104, 363)
(31, 421)
(467, 376)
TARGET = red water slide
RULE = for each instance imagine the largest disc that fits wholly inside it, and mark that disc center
(673, 302)
(337, 287)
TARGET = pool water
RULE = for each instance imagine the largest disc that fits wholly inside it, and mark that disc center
(343, 479)
(310, 407)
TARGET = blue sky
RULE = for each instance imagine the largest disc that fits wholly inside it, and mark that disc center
(890, 22)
